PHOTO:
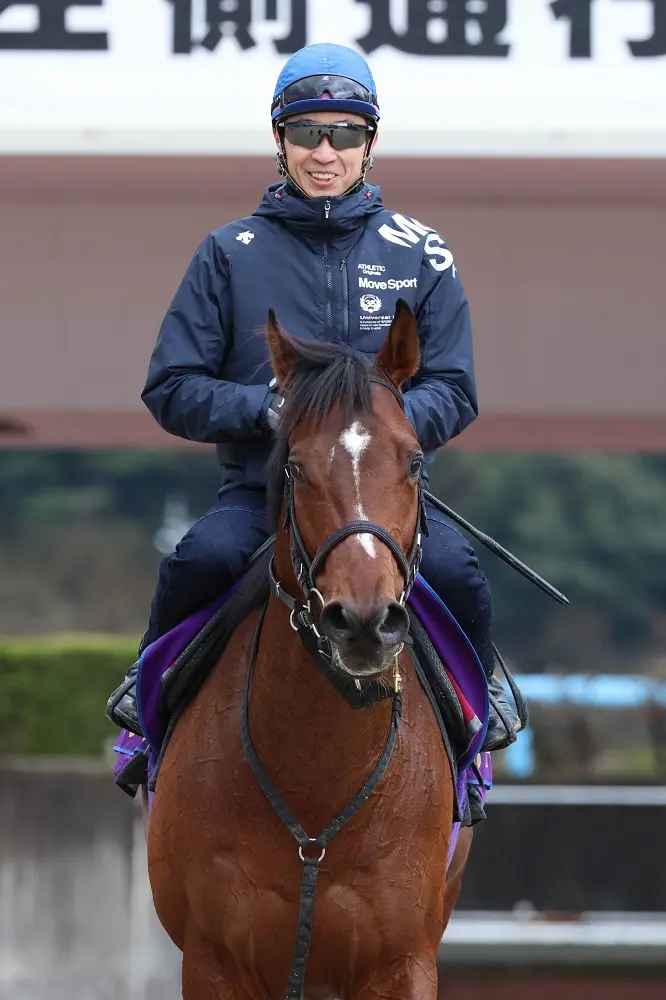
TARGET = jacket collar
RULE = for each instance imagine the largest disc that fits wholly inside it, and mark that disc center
(322, 219)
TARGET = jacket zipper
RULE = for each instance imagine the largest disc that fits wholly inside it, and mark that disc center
(345, 296)
(329, 278)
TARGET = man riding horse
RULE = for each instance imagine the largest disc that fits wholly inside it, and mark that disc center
(324, 253)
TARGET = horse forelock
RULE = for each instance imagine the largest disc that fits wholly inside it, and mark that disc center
(324, 375)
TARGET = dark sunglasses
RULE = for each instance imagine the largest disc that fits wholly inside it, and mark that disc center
(341, 136)
(313, 88)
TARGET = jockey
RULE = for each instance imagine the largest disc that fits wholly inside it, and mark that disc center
(324, 253)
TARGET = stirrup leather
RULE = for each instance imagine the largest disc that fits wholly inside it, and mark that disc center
(504, 722)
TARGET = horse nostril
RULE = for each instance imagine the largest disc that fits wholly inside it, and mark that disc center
(391, 624)
(339, 622)
(387, 627)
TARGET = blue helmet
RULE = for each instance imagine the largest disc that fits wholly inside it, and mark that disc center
(325, 77)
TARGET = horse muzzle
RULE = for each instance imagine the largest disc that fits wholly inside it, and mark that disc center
(366, 642)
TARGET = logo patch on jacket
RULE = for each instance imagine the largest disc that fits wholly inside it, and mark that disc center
(409, 232)
(371, 303)
(392, 285)
(245, 237)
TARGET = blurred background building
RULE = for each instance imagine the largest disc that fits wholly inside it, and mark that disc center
(532, 135)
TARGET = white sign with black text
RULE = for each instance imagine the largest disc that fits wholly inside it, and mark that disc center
(487, 77)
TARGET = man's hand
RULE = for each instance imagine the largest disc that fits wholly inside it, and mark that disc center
(274, 412)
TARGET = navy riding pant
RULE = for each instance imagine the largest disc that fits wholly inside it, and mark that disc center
(216, 549)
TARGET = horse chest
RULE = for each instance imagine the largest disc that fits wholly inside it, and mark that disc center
(223, 861)
(242, 869)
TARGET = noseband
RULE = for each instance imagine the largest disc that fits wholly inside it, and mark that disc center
(302, 618)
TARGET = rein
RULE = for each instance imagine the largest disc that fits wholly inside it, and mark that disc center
(310, 863)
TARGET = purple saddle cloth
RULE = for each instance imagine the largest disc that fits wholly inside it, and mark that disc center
(452, 645)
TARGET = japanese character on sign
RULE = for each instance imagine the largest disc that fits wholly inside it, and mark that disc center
(440, 28)
(224, 17)
(579, 14)
(655, 45)
(51, 33)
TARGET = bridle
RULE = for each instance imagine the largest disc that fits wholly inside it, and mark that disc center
(302, 616)
(312, 850)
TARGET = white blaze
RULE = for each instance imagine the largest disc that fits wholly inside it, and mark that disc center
(355, 440)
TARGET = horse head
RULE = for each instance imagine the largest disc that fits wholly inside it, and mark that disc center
(345, 484)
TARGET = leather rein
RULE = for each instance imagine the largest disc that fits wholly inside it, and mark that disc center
(312, 850)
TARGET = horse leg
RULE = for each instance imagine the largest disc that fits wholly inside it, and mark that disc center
(409, 979)
(203, 977)
(456, 871)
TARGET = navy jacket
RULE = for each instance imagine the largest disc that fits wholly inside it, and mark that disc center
(331, 269)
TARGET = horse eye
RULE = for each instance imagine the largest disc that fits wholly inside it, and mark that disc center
(415, 466)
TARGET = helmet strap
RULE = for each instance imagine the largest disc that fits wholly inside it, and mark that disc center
(281, 163)
(368, 163)
(283, 170)
(369, 160)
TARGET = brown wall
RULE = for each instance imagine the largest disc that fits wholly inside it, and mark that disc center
(567, 297)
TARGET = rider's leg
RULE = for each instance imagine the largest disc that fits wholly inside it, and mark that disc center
(207, 561)
(209, 558)
(452, 570)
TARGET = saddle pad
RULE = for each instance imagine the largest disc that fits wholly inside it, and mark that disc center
(437, 637)
(460, 661)
(450, 642)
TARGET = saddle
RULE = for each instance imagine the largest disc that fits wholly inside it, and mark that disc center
(172, 669)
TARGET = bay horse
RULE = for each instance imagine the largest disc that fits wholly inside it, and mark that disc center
(232, 883)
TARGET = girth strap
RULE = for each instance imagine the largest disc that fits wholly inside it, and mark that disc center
(310, 864)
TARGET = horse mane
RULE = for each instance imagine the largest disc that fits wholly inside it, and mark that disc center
(324, 374)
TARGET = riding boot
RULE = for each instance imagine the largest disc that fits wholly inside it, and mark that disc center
(474, 812)
(504, 721)
(121, 708)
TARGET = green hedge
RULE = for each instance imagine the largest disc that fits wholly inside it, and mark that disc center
(53, 692)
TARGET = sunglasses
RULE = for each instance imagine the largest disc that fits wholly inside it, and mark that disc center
(341, 136)
(313, 88)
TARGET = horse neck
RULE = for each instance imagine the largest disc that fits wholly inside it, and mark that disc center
(316, 749)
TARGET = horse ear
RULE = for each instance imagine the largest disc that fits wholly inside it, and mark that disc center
(283, 358)
(399, 357)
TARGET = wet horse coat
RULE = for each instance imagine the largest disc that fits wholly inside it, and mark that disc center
(224, 870)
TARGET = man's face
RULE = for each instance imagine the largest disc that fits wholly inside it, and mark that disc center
(325, 171)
